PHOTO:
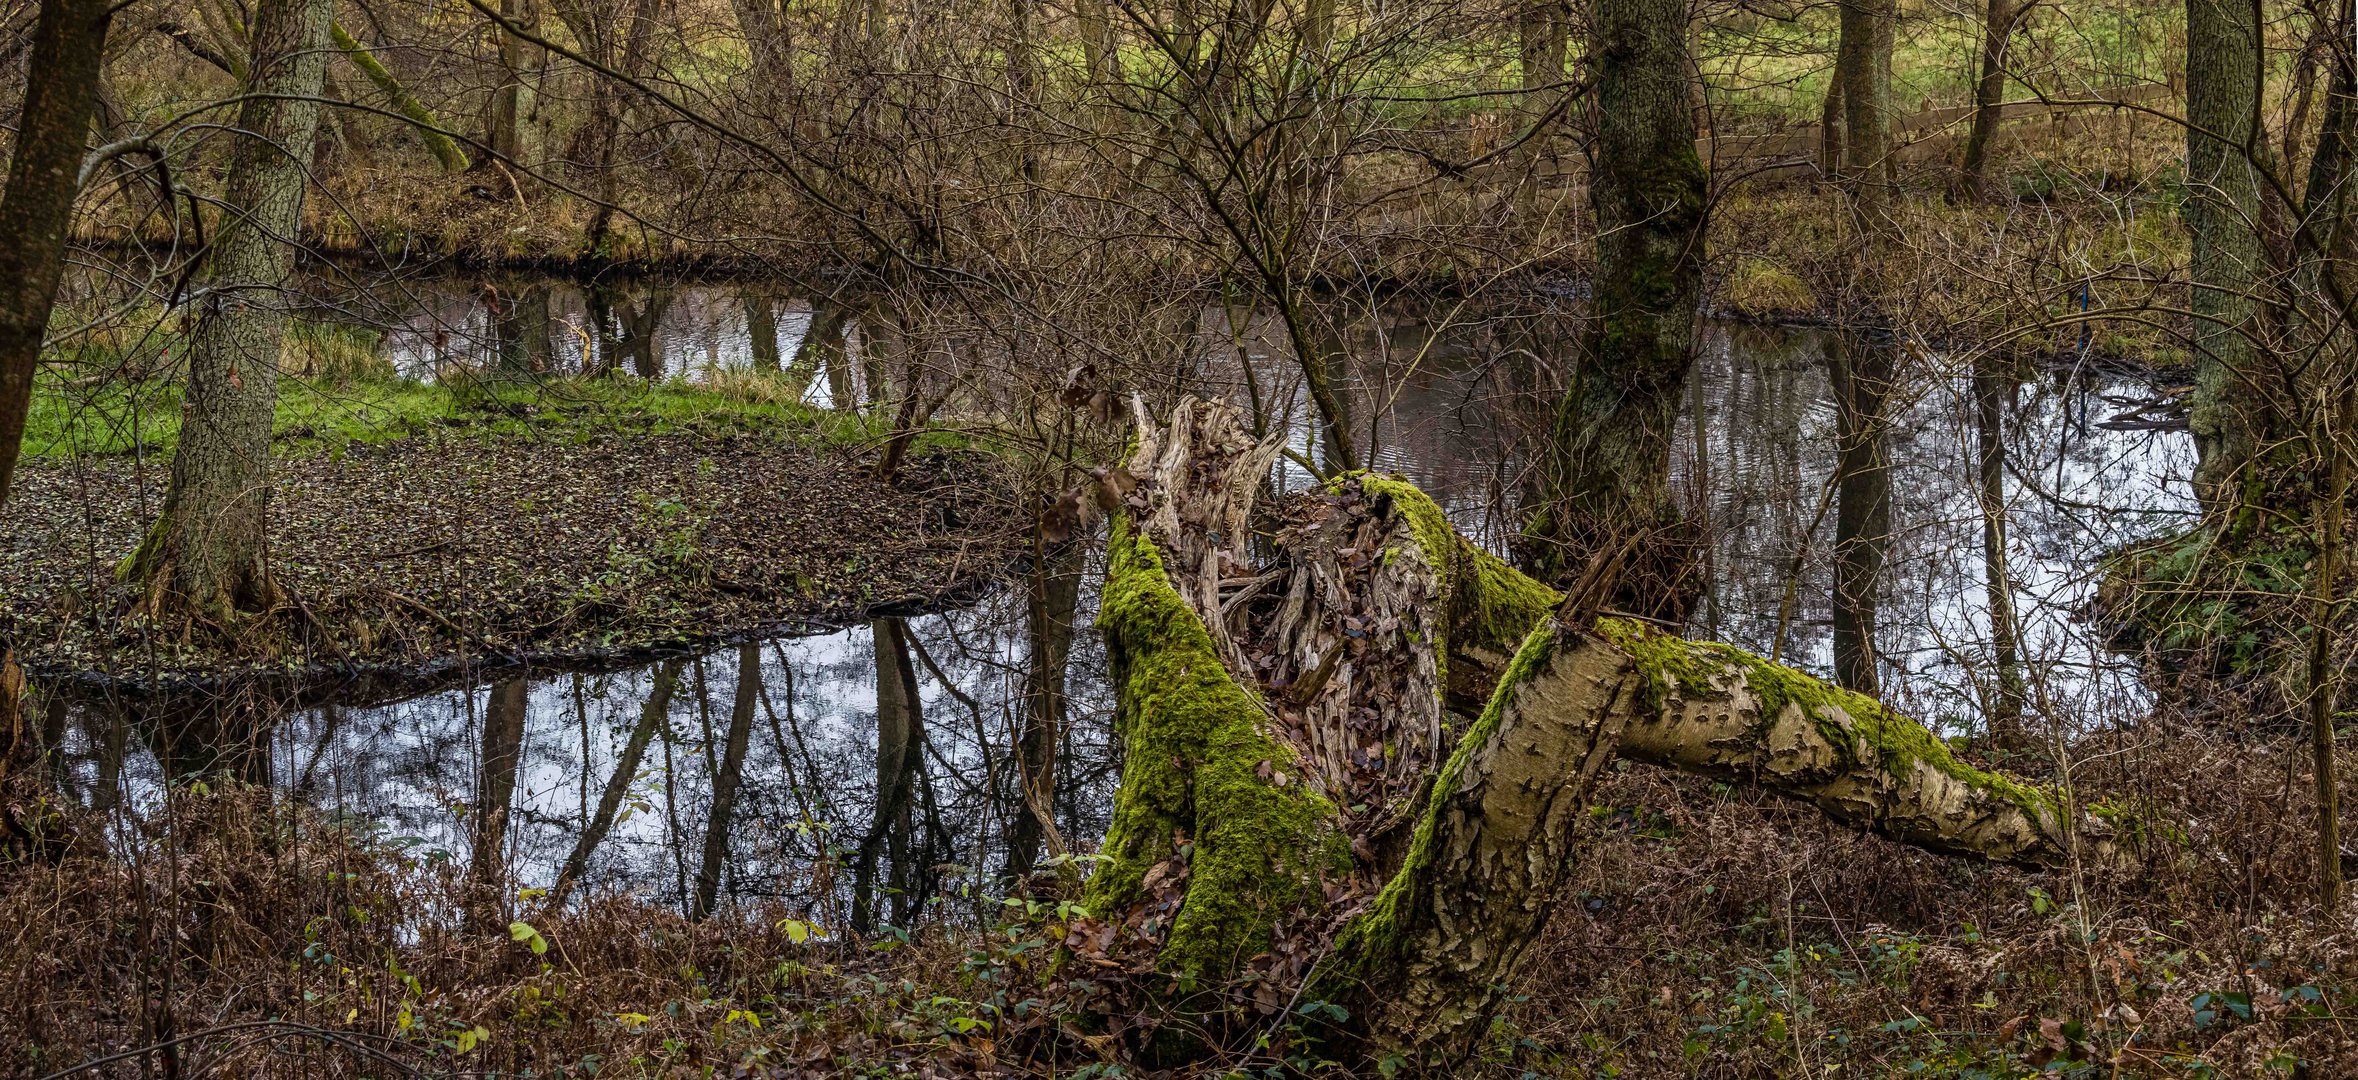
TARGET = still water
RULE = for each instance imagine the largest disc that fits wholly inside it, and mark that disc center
(628, 758)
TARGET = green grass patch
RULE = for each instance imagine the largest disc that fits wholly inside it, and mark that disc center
(96, 418)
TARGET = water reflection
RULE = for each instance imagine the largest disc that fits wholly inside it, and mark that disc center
(862, 773)
(872, 771)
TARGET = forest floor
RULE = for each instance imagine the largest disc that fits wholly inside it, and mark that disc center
(506, 529)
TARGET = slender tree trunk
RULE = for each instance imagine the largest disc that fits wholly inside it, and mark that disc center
(206, 556)
(429, 130)
(36, 213)
(507, 100)
(61, 93)
(2332, 499)
(1053, 592)
(495, 790)
(1862, 517)
(898, 723)
(726, 780)
(2230, 414)
(1865, 69)
(655, 712)
(1992, 386)
(1607, 478)
(1989, 94)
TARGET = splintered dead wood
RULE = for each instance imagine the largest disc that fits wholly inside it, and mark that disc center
(416, 553)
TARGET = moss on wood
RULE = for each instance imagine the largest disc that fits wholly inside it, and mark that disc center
(1200, 769)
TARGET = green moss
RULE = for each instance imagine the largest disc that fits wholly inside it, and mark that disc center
(1763, 288)
(1491, 605)
(71, 417)
(1874, 735)
(1199, 765)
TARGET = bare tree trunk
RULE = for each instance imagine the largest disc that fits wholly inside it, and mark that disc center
(1607, 479)
(2332, 499)
(1864, 66)
(1989, 94)
(1862, 373)
(507, 100)
(206, 556)
(1992, 386)
(898, 723)
(1053, 592)
(61, 92)
(495, 790)
(761, 330)
(726, 780)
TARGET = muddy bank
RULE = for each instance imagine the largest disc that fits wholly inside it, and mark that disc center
(427, 554)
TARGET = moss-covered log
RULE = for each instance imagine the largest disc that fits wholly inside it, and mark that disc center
(1265, 729)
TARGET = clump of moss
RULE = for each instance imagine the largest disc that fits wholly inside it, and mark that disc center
(1762, 288)
(1490, 605)
(1200, 769)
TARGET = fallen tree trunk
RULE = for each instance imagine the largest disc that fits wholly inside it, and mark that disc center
(1303, 815)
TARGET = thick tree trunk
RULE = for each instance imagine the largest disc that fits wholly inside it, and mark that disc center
(1607, 478)
(726, 780)
(206, 556)
(1285, 754)
(1989, 93)
(2231, 411)
(1864, 67)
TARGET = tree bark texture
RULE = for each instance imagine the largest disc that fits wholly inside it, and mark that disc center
(1607, 478)
(1989, 93)
(1862, 371)
(2230, 415)
(206, 556)
(61, 93)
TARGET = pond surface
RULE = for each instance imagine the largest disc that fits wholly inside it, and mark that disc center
(634, 754)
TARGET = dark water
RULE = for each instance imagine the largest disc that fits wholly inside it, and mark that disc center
(1437, 393)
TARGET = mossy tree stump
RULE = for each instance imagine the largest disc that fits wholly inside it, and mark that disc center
(1304, 816)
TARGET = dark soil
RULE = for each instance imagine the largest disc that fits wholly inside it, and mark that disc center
(427, 554)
